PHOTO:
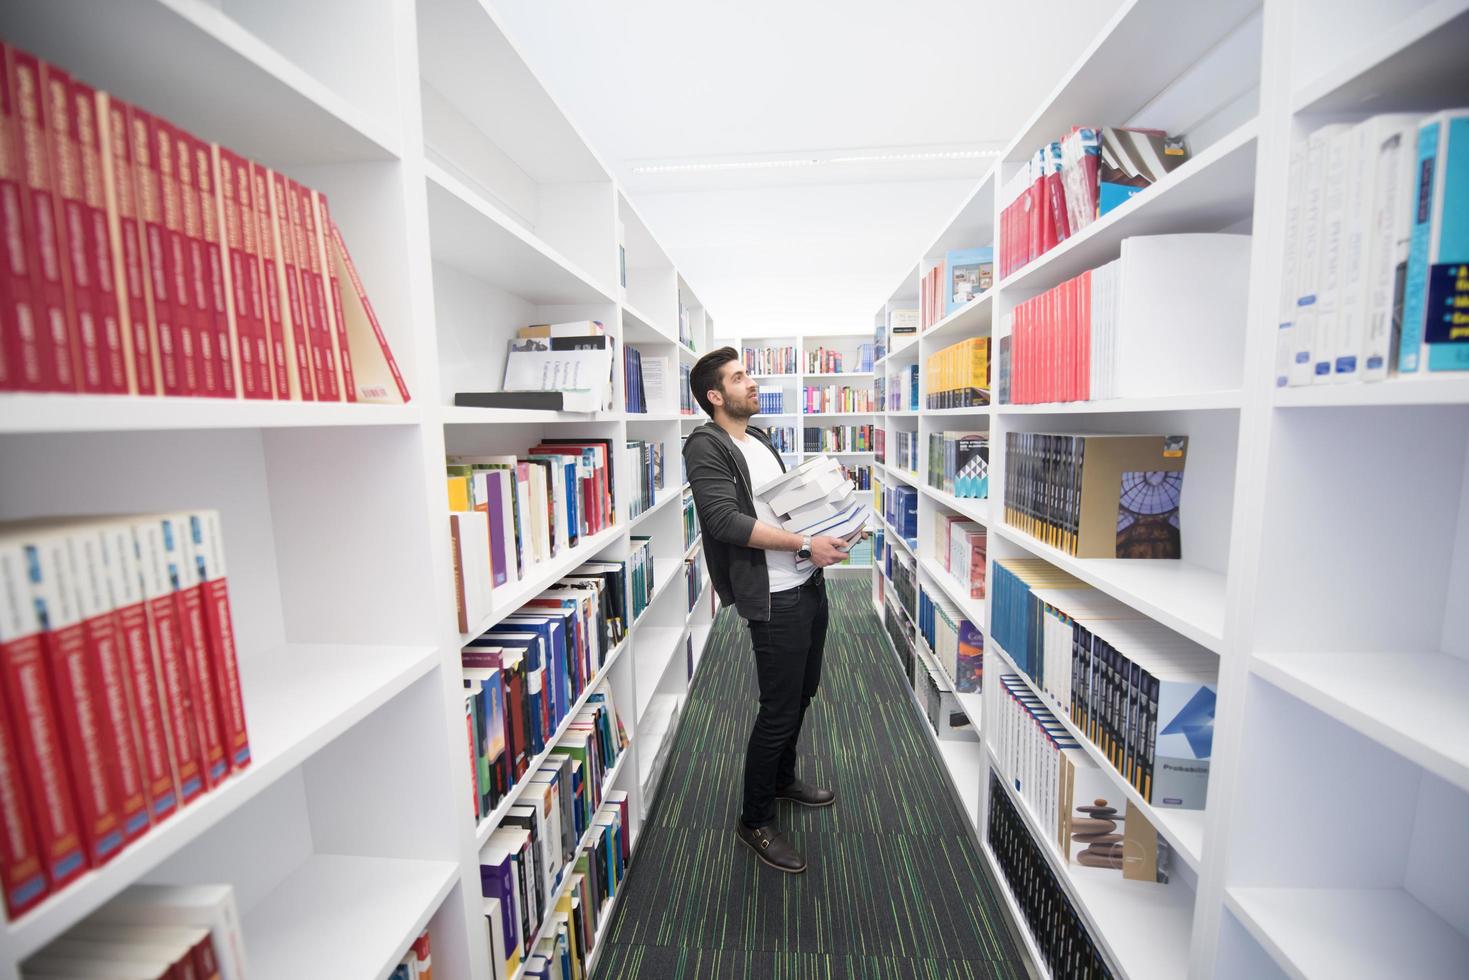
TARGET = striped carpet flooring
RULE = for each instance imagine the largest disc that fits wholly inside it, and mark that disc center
(895, 887)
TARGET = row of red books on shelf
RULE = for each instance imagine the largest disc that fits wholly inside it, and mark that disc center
(141, 259)
(122, 698)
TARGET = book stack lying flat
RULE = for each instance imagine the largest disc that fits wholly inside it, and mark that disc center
(816, 499)
(121, 691)
(544, 899)
(158, 932)
(109, 207)
(558, 367)
(957, 643)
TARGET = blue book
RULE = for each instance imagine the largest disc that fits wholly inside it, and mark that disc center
(1435, 332)
(968, 272)
(551, 630)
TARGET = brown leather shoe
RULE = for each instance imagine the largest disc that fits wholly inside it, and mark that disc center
(771, 848)
(799, 792)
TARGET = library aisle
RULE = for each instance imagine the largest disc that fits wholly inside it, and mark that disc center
(888, 893)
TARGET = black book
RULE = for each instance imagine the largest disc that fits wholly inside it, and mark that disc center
(551, 401)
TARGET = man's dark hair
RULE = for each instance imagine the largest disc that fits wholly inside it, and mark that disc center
(705, 375)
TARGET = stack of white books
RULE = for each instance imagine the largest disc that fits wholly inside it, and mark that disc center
(816, 498)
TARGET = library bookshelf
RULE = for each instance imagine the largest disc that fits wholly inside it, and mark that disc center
(473, 207)
(1342, 664)
(793, 385)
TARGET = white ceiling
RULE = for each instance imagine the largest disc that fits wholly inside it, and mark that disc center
(662, 81)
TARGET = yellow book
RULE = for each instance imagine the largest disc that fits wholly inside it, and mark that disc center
(459, 497)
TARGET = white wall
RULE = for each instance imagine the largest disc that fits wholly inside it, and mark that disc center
(807, 259)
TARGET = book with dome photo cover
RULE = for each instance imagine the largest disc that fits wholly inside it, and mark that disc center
(1097, 496)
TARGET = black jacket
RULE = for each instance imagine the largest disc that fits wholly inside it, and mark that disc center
(725, 501)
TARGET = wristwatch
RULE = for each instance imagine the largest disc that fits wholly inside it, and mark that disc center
(804, 552)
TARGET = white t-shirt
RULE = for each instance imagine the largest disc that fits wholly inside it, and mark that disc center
(764, 467)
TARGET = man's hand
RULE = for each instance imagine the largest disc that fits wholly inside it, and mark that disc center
(827, 550)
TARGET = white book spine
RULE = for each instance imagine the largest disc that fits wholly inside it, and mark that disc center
(1392, 209)
(1356, 244)
(1313, 191)
(1290, 262)
(1330, 258)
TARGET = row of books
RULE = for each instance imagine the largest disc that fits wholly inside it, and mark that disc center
(963, 275)
(816, 498)
(1097, 496)
(959, 463)
(958, 375)
(511, 514)
(880, 390)
(838, 398)
(642, 379)
(418, 963)
(695, 577)
(900, 632)
(905, 451)
(784, 359)
(783, 438)
(122, 697)
(935, 695)
(153, 932)
(1373, 280)
(1114, 332)
(690, 521)
(860, 475)
(685, 322)
(879, 342)
(900, 503)
(1068, 184)
(545, 894)
(960, 547)
(838, 438)
(772, 400)
(957, 644)
(646, 459)
(1141, 693)
(825, 361)
(880, 444)
(902, 572)
(1068, 794)
(1050, 916)
(161, 264)
(902, 389)
(687, 405)
(555, 366)
(523, 676)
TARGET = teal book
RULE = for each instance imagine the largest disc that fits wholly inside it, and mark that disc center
(1435, 331)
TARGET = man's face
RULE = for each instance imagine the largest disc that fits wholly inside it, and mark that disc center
(741, 393)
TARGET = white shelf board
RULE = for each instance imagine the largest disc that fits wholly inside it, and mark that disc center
(488, 824)
(462, 415)
(907, 476)
(661, 499)
(639, 328)
(1432, 389)
(973, 319)
(1416, 63)
(506, 600)
(837, 415)
(903, 412)
(974, 508)
(958, 412)
(1186, 598)
(1210, 191)
(973, 609)
(1201, 401)
(657, 645)
(468, 232)
(837, 375)
(973, 704)
(893, 536)
(60, 412)
(965, 762)
(772, 377)
(1413, 703)
(1362, 933)
(218, 79)
(907, 351)
(1144, 927)
(689, 551)
(297, 699)
(633, 418)
(1183, 828)
(341, 916)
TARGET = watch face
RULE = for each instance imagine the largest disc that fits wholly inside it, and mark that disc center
(803, 554)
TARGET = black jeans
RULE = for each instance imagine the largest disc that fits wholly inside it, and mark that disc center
(788, 652)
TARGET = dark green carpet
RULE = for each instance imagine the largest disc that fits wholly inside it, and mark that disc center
(895, 887)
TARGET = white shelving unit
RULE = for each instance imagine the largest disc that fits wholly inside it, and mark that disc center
(472, 206)
(1331, 844)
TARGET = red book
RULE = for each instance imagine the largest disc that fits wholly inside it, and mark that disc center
(184, 575)
(130, 616)
(242, 266)
(30, 709)
(94, 603)
(91, 243)
(129, 266)
(169, 660)
(214, 595)
(298, 328)
(201, 309)
(22, 350)
(215, 322)
(176, 333)
(91, 758)
(340, 347)
(272, 292)
(1056, 192)
(22, 866)
(313, 293)
(48, 289)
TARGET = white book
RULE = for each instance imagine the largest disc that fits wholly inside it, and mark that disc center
(791, 477)
(496, 930)
(211, 907)
(1308, 253)
(1392, 192)
(1331, 256)
(655, 382)
(1285, 337)
(815, 488)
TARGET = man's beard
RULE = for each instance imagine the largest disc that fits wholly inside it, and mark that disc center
(739, 409)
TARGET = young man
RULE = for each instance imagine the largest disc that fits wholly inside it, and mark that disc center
(752, 561)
